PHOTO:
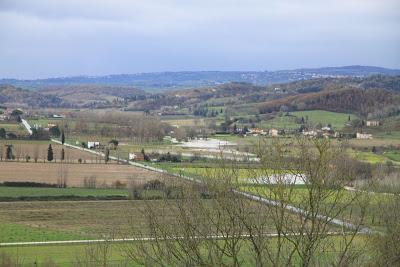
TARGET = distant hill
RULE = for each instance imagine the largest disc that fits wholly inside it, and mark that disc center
(347, 99)
(360, 95)
(69, 96)
(17, 97)
(355, 95)
(93, 95)
(162, 81)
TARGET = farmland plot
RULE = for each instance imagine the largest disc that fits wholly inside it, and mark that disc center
(38, 150)
(105, 174)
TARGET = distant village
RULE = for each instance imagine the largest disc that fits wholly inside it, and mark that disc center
(323, 132)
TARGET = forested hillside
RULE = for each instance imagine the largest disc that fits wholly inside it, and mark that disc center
(12, 96)
(349, 99)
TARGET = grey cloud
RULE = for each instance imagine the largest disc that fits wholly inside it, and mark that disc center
(56, 38)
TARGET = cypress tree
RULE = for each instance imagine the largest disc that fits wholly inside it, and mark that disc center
(107, 155)
(9, 153)
(50, 153)
(62, 137)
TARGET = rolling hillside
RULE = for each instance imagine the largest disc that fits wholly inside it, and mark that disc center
(166, 81)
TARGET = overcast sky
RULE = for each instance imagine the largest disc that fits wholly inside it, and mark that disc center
(52, 38)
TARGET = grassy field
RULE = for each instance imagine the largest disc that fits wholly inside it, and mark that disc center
(72, 219)
(15, 128)
(392, 155)
(337, 120)
(70, 255)
(368, 157)
(374, 158)
(105, 174)
(283, 122)
(241, 173)
(63, 255)
(352, 212)
(312, 117)
(24, 233)
(88, 219)
(43, 122)
(10, 192)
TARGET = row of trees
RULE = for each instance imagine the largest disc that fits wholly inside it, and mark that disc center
(9, 154)
(117, 125)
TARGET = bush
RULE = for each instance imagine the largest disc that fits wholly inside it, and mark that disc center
(119, 185)
(27, 184)
(154, 185)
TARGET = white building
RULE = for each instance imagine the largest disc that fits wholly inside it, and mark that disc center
(310, 133)
(364, 136)
(373, 123)
(273, 132)
(93, 144)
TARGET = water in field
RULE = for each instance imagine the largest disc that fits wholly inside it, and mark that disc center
(211, 144)
(288, 178)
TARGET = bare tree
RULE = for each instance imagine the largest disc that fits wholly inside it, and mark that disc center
(222, 221)
(90, 182)
(62, 180)
(36, 153)
(1, 151)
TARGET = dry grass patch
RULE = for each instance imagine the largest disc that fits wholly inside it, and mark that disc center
(105, 174)
(39, 150)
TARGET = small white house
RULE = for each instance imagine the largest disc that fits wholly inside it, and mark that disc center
(310, 133)
(373, 123)
(364, 136)
(57, 116)
(136, 156)
(93, 144)
(273, 132)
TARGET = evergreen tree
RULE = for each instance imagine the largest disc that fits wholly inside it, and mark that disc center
(9, 152)
(50, 153)
(107, 155)
(55, 131)
(62, 137)
(2, 133)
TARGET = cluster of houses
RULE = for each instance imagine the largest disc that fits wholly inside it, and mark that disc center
(132, 156)
(10, 115)
(326, 132)
(45, 128)
(261, 132)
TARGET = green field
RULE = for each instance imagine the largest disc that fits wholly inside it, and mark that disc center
(374, 158)
(115, 255)
(283, 122)
(14, 128)
(11, 192)
(64, 255)
(26, 233)
(312, 117)
(299, 196)
(337, 120)
(240, 173)
(392, 155)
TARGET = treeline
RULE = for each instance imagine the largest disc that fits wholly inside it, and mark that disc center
(117, 125)
(11, 94)
(348, 99)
